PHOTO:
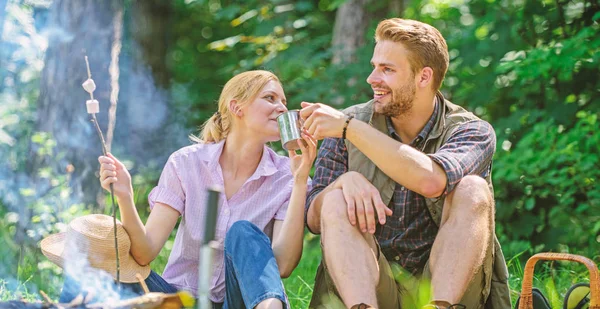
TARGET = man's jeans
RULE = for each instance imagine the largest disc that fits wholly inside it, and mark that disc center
(251, 273)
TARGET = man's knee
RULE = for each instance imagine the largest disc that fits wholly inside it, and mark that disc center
(334, 209)
(471, 197)
(334, 206)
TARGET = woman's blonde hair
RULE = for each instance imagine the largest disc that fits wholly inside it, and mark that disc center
(243, 88)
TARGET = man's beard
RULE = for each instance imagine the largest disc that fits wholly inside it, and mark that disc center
(400, 103)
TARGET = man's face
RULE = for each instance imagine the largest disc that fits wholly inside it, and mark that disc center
(392, 80)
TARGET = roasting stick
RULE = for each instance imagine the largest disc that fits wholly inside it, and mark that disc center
(208, 247)
(93, 107)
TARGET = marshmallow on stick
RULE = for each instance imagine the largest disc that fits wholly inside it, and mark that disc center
(93, 107)
(89, 85)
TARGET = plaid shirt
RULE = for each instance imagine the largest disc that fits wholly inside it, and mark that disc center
(409, 232)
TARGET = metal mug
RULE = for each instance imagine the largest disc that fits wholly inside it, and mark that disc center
(289, 129)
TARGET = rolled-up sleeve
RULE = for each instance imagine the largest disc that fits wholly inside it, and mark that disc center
(331, 163)
(170, 189)
(468, 151)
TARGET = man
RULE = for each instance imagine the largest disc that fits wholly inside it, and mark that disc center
(405, 178)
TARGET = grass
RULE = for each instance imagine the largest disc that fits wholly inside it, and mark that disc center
(553, 278)
(299, 285)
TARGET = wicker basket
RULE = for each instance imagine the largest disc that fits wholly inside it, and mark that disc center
(526, 294)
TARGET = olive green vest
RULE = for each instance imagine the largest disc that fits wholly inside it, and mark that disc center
(449, 117)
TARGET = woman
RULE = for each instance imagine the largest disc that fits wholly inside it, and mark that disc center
(264, 194)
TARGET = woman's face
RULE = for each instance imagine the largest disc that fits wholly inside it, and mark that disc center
(260, 116)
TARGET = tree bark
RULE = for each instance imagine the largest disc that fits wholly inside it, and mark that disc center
(78, 28)
(147, 130)
(397, 7)
(351, 21)
(2, 16)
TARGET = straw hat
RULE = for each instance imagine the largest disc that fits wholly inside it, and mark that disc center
(92, 237)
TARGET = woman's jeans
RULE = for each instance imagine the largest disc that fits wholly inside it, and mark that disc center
(251, 273)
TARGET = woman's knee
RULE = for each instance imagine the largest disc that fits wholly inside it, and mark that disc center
(242, 232)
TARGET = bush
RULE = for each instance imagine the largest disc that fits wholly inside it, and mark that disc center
(546, 188)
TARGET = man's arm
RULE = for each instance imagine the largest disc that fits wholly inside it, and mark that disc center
(469, 150)
(415, 170)
(404, 164)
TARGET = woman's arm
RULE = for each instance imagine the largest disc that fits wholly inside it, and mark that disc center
(146, 241)
(288, 234)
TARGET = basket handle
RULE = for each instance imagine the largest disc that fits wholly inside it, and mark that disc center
(526, 294)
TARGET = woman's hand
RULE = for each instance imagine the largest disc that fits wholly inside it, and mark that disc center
(112, 171)
(302, 163)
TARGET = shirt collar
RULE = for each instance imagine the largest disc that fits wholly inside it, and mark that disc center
(266, 166)
(424, 132)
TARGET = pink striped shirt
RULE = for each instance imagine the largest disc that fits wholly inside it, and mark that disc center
(263, 198)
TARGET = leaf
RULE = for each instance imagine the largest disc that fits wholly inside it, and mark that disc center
(530, 203)
(26, 192)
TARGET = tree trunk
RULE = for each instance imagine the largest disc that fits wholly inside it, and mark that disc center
(2, 16)
(79, 28)
(351, 21)
(147, 131)
(2, 50)
(397, 7)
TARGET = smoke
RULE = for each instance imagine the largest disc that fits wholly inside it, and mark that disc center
(96, 284)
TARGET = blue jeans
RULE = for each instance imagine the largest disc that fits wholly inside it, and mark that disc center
(251, 271)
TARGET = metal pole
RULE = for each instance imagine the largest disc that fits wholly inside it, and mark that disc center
(206, 250)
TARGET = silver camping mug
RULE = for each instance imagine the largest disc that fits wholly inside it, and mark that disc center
(289, 129)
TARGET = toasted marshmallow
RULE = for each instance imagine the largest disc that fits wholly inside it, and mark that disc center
(89, 85)
(93, 107)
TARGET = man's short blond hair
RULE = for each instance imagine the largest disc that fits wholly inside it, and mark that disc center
(426, 45)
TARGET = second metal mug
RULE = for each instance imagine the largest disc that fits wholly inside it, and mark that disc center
(289, 129)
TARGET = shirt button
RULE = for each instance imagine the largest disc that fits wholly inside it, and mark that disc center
(434, 212)
(397, 258)
(402, 189)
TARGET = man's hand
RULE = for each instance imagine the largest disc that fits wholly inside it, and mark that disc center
(363, 201)
(322, 121)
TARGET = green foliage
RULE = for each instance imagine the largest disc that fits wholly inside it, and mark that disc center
(546, 187)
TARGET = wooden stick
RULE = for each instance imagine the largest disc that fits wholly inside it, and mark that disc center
(142, 283)
(46, 298)
(112, 194)
(87, 64)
